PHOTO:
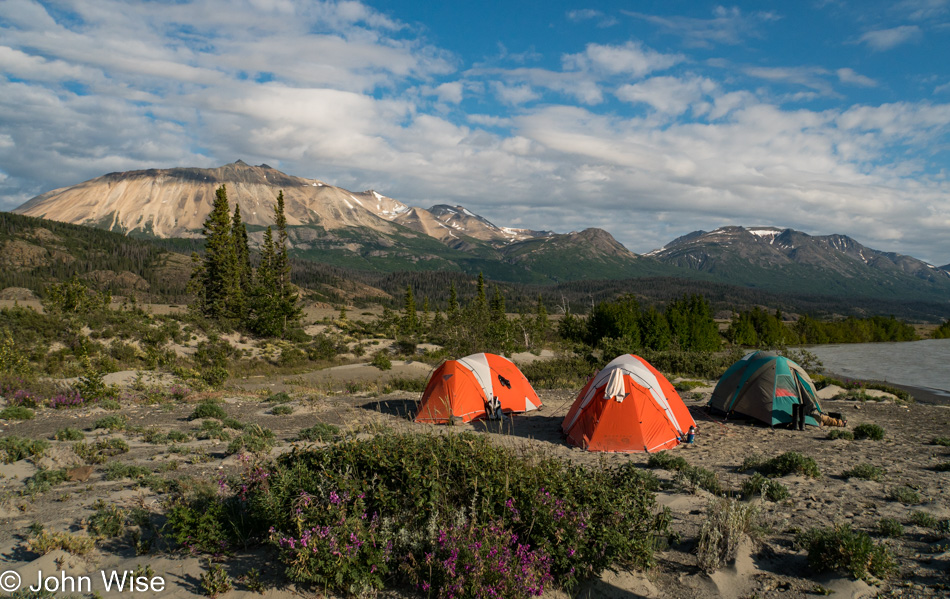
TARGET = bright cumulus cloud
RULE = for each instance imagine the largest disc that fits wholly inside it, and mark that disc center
(825, 117)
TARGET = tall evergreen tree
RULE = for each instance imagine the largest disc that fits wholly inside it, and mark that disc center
(410, 319)
(242, 254)
(219, 276)
(275, 308)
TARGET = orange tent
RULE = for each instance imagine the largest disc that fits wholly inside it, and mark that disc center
(627, 407)
(464, 388)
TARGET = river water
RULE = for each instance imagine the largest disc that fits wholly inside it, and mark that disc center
(922, 364)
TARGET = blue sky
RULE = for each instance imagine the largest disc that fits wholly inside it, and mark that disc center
(648, 119)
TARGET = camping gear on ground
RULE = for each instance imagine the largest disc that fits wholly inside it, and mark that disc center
(473, 387)
(627, 407)
(769, 388)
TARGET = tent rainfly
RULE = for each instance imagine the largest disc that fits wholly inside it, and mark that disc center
(767, 387)
(470, 387)
(627, 407)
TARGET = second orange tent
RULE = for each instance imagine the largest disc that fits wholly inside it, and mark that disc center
(627, 407)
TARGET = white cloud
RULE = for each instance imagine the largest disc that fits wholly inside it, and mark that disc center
(728, 26)
(853, 78)
(886, 39)
(630, 58)
(669, 95)
(344, 93)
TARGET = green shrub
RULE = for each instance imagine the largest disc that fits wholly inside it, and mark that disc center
(415, 385)
(790, 462)
(281, 397)
(726, 523)
(865, 472)
(212, 429)
(215, 581)
(845, 550)
(14, 448)
(413, 501)
(942, 441)
(68, 434)
(254, 439)
(839, 433)
(108, 521)
(381, 360)
(942, 467)
(208, 409)
(119, 470)
(905, 495)
(890, 528)
(868, 431)
(16, 413)
(282, 410)
(666, 461)
(110, 404)
(43, 481)
(97, 452)
(320, 431)
(766, 487)
(687, 476)
(114, 422)
(45, 542)
(923, 519)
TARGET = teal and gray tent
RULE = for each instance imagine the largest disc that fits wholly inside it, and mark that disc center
(765, 386)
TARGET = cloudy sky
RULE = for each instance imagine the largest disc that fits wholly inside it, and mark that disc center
(650, 119)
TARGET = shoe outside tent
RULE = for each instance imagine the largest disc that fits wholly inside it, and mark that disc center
(628, 407)
(477, 386)
(769, 388)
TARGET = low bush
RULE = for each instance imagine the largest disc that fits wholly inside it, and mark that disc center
(839, 433)
(942, 441)
(890, 528)
(114, 422)
(454, 512)
(119, 470)
(415, 385)
(281, 397)
(68, 434)
(923, 519)
(98, 451)
(320, 431)
(255, 439)
(381, 360)
(868, 431)
(905, 495)
(43, 481)
(108, 521)
(44, 542)
(208, 409)
(942, 467)
(865, 472)
(282, 410)
(726, 523)
(16, 413)
(766, 487)
(790, 462)
(14, 448)
(842, 549)
(687, 476)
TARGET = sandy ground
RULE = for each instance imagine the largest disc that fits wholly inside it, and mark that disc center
(770, 566)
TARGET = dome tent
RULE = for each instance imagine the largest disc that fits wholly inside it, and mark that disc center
(627, 407)
(466, 387)
(766, 387)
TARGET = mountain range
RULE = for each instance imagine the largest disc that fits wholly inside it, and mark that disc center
(369, 231)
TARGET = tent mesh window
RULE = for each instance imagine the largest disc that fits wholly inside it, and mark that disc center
(785, 386)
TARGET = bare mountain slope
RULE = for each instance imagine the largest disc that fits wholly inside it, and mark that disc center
(175, 202)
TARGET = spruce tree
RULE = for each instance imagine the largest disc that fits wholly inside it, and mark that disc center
(219, 276)
(242, 255)
(265, 317)
(410, 319)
